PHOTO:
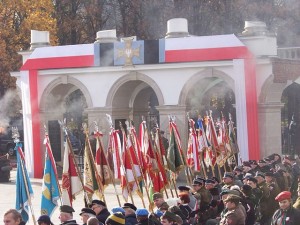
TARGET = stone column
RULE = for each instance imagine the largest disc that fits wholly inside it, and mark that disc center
(269, 117)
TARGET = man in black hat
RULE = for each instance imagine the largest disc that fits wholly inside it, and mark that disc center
(85, 214)
(100, 209)
(66, 215)
(228, 180)
(130, 216)
(44, 220)
(209, 185)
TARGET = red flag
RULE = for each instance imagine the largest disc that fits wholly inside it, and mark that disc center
(114, 152)
(193, 148)
(71, 184)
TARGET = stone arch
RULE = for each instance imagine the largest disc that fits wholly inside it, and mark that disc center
(207, 73)
(132, 76)
(62, 80)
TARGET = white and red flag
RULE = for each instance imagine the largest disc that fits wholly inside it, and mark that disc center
(114, 152)
(193, 148)
(71, 185)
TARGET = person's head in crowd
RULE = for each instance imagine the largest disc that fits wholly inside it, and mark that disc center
(168, 218)
(238, 170)
(217, 181)
(141, 214)
(246, 166)
(163, 207)
(252, 182)
(228, 178)
(246, 177)
(118, 209)
(66, 213)
(92, 221)
(231, 202)
(158, 199)
(226, 192)
(268, 160)
(44, 220)
(260, 177)
(184, 198)
(129, 208)
(12, 217)
(288, 160)
(97, 206)
(209, 184)
(284, 199)
(115, 219)
(176, 210)
(86, 213)
(246, 190)
(261, 163)
(253, 164)
(277, 158)
(269, 177)
(198, 184)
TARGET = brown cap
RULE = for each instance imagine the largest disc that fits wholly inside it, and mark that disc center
(157, 195)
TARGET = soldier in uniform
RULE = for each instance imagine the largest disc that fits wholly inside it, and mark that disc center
(201, 193)
(286, 214)
(85, 214)
(228, 180)
(100, 209)
(130, 217)
(234, 214)
(66, 215)
(209, 185)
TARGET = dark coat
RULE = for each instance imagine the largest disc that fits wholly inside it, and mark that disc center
(130, 219)
(102, 216)
(291, 216)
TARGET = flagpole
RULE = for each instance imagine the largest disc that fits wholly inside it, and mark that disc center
(133, 169)
(99, 182)
(16, 140)
(63, 125)
(108, 165)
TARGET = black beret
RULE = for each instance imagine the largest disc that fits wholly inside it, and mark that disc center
(227, 174)
(129, 205)
(66, 209)
(209, 181)
(98, 202)
(183, 188)
(87, 210)
(197, 181)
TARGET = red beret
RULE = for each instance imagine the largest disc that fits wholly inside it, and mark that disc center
(283, 195)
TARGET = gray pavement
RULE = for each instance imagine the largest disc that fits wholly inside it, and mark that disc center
(8, 198)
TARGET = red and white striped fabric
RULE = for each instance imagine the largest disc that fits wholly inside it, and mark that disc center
(193, 149)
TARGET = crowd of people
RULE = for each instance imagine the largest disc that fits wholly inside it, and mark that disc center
(265, 192)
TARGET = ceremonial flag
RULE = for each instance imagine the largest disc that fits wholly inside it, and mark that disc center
(160, 148)
(71, 185)
(101, 161)
(130, 174)
(50, 187)
(89, 174)
(174, 158)
(193, 148)
(114, 152)
(23, 185)
(202, 139)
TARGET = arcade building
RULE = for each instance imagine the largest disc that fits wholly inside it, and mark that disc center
(245, 75)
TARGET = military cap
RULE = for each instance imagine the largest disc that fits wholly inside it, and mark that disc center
(232, 198)
(118, 209)
(183, 188)
(228, 175)
(253, 179)
(269, 174)
(261, 161)
(247, 164)
(259, 174)
(129, 205)
(247, 176)
(87, 210)
(170, 216)
(45, 219)
(238, 168)
(164, 206)
(197, 181)
(142, 212)
(98, 202)
(157, 195)
(267, 159)
(66, 209)
(283, 195)
(209, 181)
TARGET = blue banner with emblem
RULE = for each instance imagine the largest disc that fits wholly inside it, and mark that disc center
(23, 185)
